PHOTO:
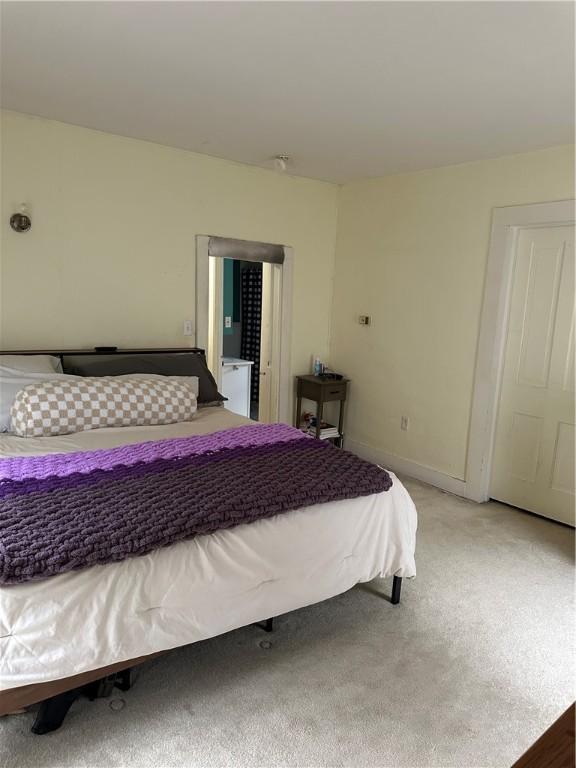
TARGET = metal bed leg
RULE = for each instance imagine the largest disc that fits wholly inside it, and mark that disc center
(124, 680)
(267, 626)
(53, 711)
(396, 588)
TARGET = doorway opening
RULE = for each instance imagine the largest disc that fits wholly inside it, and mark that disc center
(242, 335)
(243, 320)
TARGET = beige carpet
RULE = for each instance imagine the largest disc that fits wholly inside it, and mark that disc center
(472, 666)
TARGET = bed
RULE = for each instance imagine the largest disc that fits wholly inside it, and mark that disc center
(125, 612)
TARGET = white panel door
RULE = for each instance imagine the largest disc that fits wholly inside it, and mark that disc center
(533, 463)
(270, 341)
(215, 322)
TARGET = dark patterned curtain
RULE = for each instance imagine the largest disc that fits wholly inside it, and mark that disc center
(251, 317)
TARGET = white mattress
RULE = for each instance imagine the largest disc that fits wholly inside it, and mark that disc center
(199, 588)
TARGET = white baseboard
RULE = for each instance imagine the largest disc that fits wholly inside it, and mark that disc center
(409, 468)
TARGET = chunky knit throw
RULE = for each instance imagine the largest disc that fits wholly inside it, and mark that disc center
(62, 512)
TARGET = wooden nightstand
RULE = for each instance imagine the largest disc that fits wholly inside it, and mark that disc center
(321, 391)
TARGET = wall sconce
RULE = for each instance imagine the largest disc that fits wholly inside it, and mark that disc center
(21, 222)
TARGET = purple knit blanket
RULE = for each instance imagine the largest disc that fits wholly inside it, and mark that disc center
(62, 512)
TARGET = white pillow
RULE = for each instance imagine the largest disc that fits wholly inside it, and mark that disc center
(13, 380)
(32, 363)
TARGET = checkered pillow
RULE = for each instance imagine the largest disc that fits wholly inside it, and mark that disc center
(63, 407)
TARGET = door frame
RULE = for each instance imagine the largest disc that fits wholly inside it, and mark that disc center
(506, 222)
(283, 311)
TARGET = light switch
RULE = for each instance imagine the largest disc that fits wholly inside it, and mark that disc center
(364, 319)
(227, 322)
(187, 331)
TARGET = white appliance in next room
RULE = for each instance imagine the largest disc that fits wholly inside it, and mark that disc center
(236, 376)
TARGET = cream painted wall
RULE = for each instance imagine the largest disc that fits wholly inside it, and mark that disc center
(110, 258)
(411, 252)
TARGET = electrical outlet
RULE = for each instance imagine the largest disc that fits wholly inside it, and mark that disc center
(364, 319)
(227, 322)
(187, 330)
(404, 423)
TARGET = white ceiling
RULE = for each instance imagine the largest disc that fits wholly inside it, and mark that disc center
(347, 89)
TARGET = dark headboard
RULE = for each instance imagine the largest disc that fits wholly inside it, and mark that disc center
(61, 353)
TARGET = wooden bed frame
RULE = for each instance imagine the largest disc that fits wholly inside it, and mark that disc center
(15, 699)
(57, 695)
